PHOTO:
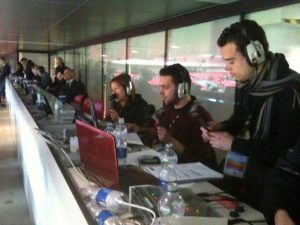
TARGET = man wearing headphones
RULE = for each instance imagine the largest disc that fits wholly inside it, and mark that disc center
(182, 117)
(266, 106)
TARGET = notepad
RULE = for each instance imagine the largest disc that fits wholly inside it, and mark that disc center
(134, 139)
(188, 172)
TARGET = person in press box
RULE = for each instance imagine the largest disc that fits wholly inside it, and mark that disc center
(126, 103)
(182, 116)
(266, 106)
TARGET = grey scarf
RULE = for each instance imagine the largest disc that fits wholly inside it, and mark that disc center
(266, 84)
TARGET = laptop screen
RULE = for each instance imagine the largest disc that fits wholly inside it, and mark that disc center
(98, 154)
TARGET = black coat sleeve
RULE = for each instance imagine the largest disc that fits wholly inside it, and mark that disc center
(4, 72)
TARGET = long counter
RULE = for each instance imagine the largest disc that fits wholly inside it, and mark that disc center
(51, 196)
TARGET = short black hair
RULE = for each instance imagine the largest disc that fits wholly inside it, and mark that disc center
(41, 69)
(59, 69)
(178, 73)
(240, 33)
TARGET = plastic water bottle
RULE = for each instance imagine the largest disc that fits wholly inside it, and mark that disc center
(110, 129)
(168, 155)
(39, 101)
(58, 104)
(106, 198)
(171, 203)
(103, 216)
(167, 175)
(121, 142)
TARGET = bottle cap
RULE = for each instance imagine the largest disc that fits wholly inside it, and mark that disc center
(169, 145)
(172, 187)
(121, 120)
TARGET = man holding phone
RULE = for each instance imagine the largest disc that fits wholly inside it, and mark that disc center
(266, 106)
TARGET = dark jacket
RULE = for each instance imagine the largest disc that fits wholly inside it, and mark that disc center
(136, 111)
(45, 81)
(28, 71)
(283, 189)
(70, 91)
(282, 134)
(56, 86)
(5, 71)
(184, 125)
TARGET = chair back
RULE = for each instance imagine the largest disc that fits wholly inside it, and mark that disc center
(99, 107)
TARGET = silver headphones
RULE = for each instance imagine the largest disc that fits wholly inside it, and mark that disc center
(129, 87)
(254, 51)
(183, 87)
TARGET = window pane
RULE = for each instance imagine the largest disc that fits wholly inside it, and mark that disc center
(61, 55)
(94, 71)
(146, 58)
(114, 58)
(195, 47)
(69, 58)
(79, 64)
(52, 65)
(282, 29)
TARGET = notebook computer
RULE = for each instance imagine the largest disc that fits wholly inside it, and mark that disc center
(98, 155)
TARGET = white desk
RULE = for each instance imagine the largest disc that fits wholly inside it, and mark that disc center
(49, 197)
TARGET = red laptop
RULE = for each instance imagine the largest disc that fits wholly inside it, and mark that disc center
(98, 155)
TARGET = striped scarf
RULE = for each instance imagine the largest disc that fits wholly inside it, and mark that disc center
(266, 84)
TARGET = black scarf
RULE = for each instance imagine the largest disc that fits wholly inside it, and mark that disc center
(266, 84)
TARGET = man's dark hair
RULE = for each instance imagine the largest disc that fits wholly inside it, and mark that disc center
(178, 73)
(23, 59)
(3, 58)
(41, 69)
(240, 33)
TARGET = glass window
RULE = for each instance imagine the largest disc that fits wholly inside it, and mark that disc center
(145, 59)
(283, 31)
(94, 71)
(79, 64)
(114, 60)
(52, 65)
(195, 47)
(61, 54)
(69, 58)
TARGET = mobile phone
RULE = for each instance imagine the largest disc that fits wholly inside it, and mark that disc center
(149, 160)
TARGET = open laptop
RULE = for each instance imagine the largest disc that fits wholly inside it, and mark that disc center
(98, 155)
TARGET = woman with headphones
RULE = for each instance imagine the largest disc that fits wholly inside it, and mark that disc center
(126, 103)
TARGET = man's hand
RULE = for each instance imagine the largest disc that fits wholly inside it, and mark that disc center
(220, 140)
(114, 115)
(213, 126)
(164, 135)
(283, 218)
(205, 134)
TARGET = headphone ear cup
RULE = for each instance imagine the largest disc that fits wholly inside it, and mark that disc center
(180, 90)
(255, 53)
(129, 88)
(186, 88)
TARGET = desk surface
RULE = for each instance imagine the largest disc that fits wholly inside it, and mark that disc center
(75, 182)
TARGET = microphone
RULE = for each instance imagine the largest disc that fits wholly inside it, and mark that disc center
(159, 113)
(113, 97)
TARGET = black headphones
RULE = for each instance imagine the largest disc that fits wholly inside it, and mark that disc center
(182, 87)
(254, 51)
